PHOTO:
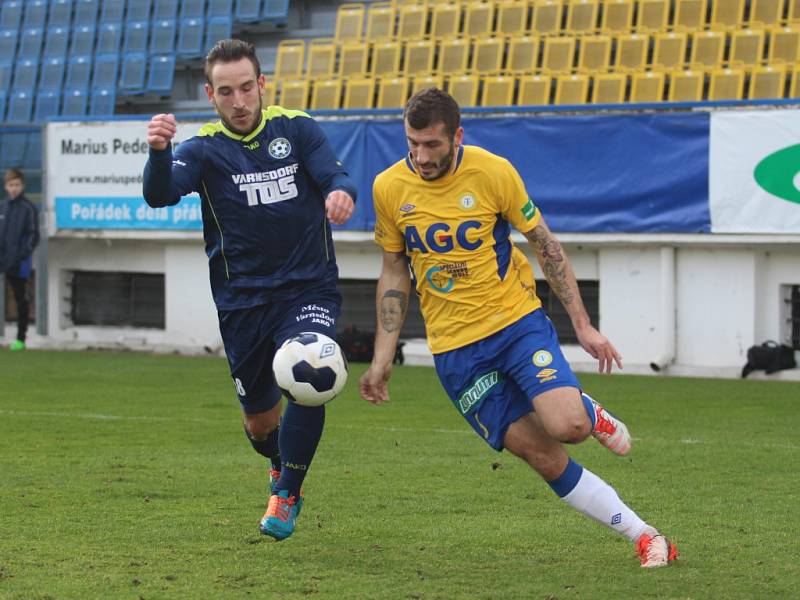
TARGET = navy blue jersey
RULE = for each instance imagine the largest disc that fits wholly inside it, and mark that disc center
(263, 200)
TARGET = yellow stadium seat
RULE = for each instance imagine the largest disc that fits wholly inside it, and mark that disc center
(784, 45)
(582, 16)
(707, 48)
(478, 18)
(793, 11)
(464, 89)
(392, 92)
(686, 85)
(523, 54)
(289, 60)
(512, 17)
(422, 81)
(349, 22)
(321, 57)
(609, 88)
(559, 54)
(727, 14)
(419, 56)
(385, 58)
(669, 49)
(632, 51)
(726, 84)
(766, 12)
(747, 46)
(359, 92)
(326, 94)
(795, 89)
(690, 14)
(534, 90)
(353, 59)
(572, 89)
(294, 94)
(594, 53)
(445, 20)
(380, 20)
(487, 55)
(453, 55)
(617, 16)
(498, 90)
(270, 91)
(546, 19)
(767, 82)
(652, 15)
(647, 86)
(412, 21)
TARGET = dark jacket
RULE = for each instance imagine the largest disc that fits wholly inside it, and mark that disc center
(19, 235)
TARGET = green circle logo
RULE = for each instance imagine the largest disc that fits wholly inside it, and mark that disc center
(779, 174)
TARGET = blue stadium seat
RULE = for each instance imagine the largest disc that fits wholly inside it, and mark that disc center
(162, 73)
(106, 68)
(134, 69)
(55, 42)
(190, 38)
(83, 37)
(30, 43)
(111, 11)
(35, 14)
(162, 40)
(60, 13)
(75, 102)
(248, 11)
(139, 10)
(86, 12)
(47, 105)
(13, 146)
(136, 33)
(109, 38)
(276, 11)
(6, 69)
(217, 28)
(33, 150)
(193, 9)
(11, 15)
(219, 8)
(102, 102)
(51, 76)
(20, 107)
(26, 72)
(3, 103)
(79, 68)
(165, 10)
(8, 44)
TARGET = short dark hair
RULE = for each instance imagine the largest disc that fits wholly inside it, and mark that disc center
(12, 174)
(231, 50)
(430, 106)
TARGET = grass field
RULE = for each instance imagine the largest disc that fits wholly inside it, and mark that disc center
(128, 476)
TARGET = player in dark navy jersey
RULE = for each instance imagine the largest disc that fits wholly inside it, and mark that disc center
(269, 183)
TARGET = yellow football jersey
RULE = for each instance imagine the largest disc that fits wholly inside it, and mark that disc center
(455, 230)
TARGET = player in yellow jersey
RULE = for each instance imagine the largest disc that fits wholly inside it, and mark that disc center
(447, 210)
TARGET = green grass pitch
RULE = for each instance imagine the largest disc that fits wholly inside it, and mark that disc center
(128, 476)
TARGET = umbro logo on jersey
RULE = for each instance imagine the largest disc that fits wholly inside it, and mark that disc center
(407, 208)
(180, 163)
(279, 148)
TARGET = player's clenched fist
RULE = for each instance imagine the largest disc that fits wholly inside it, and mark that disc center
(161, 130)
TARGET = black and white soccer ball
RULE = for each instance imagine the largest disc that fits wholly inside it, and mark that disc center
(310, 369)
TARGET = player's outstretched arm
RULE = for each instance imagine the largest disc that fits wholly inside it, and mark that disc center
(559, 274)
(391, 302)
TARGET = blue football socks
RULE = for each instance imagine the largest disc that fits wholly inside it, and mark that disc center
(300, 432)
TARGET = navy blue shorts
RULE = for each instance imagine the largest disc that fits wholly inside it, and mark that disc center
(493, 381)
(252, 335)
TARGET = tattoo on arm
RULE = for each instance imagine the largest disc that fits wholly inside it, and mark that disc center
(553, 262)
(393, 310)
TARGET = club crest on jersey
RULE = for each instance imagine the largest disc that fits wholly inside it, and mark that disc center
(467, 202)
(279, 148)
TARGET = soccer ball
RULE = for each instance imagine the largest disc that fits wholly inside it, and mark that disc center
(310, 369)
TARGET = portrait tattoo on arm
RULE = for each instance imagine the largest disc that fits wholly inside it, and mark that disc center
(553, 262)
(393, 308)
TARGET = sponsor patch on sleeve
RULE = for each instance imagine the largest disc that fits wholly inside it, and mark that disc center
(529, 210)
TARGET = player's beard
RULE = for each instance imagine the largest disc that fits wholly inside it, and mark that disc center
(442, 167)
(231, 127)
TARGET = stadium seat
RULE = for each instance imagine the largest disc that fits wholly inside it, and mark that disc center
(192, 9)
(276, 12)
(609, 88)
(412, 20)
(669, 49)
(392, 92)
(632, 51)
(106, 70)
(33, 149)
(464, 88)
(161, 75)
(86, 12)
(51, 75)
(546, 19)
(497, 90)
(190, 38)
(353, 59)
(326, 94)
(136, 34)
(8, 44)
(79, 69)
(102, 102)
(647, 86)
(294, 94)
(109, 38)
(707, 48)
(35, 14)
(686, 85)
(453, 55)
(747, 47)
(582, 16)
(385, 58)
(766, 12)
(420, 81)
(512, 17)
(321, 58)
(248, 11)
(359, 93)
(767, 82)
(134, 69)
(83, 38)
(26, 72)
(47, 105)
(290, 58)
(166, 10)
(60, 13)
(595, 53)
(419, 56)
(726, 84)
(162, 39)
(534, 90)
(11, 14)
(14, 144)
(6, 69)
(487, 55)
(217, 28)
(111, 11)
(793, 13)
(219, 8)
(572, 89)
(380, 21)
(652, 15)
(727, 14)
(349, 22)
(690, 14)
(139, 10)
(55, 42)
(74, 103)
(270, 90)
(30, 43)
(523, 54)
(795, 87)
(478, 18)
(559, 54)
(784, 45)
(617, 16)
(20, 107)
(445, 20)
(3, 104)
